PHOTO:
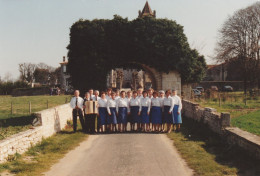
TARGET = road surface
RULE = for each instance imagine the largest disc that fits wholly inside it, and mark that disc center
(130, 154)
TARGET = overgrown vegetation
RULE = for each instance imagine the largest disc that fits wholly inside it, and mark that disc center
(109, 44)
(208, 155)
(41, 157)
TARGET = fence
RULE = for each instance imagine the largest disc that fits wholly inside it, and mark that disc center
(24, 106)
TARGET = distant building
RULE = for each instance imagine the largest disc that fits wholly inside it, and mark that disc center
(64, 82)
(216, 73)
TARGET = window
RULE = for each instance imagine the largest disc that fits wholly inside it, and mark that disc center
(64, 68)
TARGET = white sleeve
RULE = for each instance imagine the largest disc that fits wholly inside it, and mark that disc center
(108, 109)
(172, 105)
(128, 106)
(117, 102)
(149, 105)
(180, 105)
(72, 104)
(140, 105)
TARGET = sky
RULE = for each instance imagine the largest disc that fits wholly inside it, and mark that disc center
(37, 31)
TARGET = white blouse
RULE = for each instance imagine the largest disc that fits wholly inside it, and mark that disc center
(145, 102)
(168, 102)
(102, 103)
(122, 102)
(156, 102)
(177, 101)
(110, 104)
(134, 102)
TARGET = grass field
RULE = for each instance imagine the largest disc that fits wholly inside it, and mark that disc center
(208, 155)
(41, 157)
(246, 117)
(20, 120)
(21, 104)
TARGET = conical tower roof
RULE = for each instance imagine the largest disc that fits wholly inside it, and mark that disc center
(147, 11)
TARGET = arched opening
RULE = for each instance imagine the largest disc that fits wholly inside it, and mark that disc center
(133, 77)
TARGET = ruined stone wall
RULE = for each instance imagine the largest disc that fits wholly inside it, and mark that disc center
(50, 120)
(220, 124)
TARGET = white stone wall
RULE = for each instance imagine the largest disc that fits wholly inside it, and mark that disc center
(172, 80)
(52, 120)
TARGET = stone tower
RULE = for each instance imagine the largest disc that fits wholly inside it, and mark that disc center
(147, 11)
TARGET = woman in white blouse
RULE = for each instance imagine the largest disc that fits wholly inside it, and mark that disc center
(135, 111)
(122, 109)
(111, 109)
(156, 111)
(102, 111)
(145, 111)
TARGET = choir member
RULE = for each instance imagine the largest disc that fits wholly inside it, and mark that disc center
(91, 92)
(161, 97)
(88, 117)
(168, 105)
(122, 107)
(145, 111)
(76, 104)
(111, 109)
(135, 109)
(140, 93)
(177, 120)
(108, 95)
(102, 111)
(117, 94)
(96, 98)
(130, 118)
(156, 111)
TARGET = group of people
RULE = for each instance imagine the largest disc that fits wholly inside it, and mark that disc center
(146, 111)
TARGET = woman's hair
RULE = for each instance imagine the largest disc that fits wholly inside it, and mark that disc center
(134, 92)
(103, 93)
(155, 93)
(122, 92)
(144, 92)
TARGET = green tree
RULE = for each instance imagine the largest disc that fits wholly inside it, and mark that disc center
(98, 46)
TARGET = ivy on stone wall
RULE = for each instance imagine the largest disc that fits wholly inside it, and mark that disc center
(100, 45)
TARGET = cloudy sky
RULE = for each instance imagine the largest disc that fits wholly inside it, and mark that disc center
(38, 30)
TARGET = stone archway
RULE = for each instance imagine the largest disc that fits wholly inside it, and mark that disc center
(159, 80)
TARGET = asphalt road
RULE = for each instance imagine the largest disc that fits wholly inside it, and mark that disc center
(122, 155)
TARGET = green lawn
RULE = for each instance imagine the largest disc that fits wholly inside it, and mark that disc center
(41, 157)
(21, 120)
(246, 117)
(249, 122)
(21, 104)
(208, 155)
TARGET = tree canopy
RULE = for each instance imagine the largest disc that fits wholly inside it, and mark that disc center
(100, 45)
(239, 43)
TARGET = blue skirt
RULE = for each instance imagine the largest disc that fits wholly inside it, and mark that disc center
(134, 114)
(122, 115)
(168, 118)
(176, 117)
(102, 115)
(144, 115)
(156, 115)
(112, 118)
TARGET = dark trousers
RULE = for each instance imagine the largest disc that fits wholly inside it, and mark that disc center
(90, 120)
(75, 113)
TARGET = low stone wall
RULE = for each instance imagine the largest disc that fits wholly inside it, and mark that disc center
(50, 122)
(220, 124)
(216, 121)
